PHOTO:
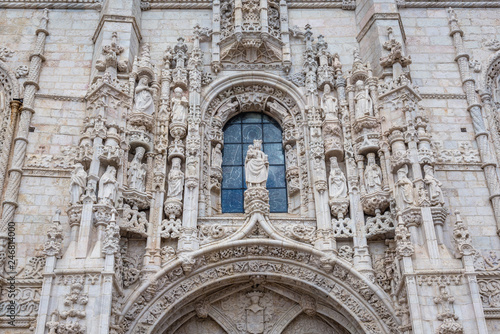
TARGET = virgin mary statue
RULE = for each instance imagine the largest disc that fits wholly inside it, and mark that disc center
(256, 166)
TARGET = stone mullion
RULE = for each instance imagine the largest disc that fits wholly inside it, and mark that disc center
(489, 167)
(21, 141)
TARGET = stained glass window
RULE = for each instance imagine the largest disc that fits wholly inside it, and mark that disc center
(239, 133)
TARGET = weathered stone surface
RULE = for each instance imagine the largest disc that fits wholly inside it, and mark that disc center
(114, 161)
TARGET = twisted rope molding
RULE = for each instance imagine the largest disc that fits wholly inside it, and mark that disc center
(61, 97)
(443, 96)
(207, 4)
(446, 4)
(84, 4)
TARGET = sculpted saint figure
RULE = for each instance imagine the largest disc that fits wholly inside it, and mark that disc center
(108, 186)
(405, 187)
(435, 191)
(144, 97)
(364, 103)
(137, 171)
(217, 156)
(256, 166)
(373, 175)
(291, 156)
(175, 180)
(329, 104)
(179, 106)
(336, 181)
(78, 183)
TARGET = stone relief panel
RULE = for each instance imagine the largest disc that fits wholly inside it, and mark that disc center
(254, 311)
(200, 326)
(312, 325)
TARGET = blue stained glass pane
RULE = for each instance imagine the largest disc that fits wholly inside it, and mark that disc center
(232, 177)
(232, 134)
(232, 155)
(239, 133)
(232, 200)
(251, 132)
(272, 133)
(274, 153)
(276, 177)
(251, 117)
(278, 200)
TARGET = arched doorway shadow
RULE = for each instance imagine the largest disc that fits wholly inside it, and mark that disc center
(257, 304)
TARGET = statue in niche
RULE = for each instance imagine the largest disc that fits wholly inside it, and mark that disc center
(291, 156)
(373, 175)
(108, 186)
(405, 187)
(217, 156)
(175, 180)
(78, 183)
(144, 97)
(336, 181)
(435, 191)
(363, 101)
(137, 171)
(179, 106)
(329, 104)
(256, 166)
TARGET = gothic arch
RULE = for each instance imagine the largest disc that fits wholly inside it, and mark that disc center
(9, 82)
(301, 301)
(186, 278)
(9, 90)
(260, 92)
(490, 71)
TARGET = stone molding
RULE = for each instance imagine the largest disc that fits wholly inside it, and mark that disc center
(61, 97)
(443, 96)
(222, 262)
(207, 4)
(52, 4)
(446, 4)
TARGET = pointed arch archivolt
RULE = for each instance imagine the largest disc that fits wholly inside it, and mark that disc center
(331, 278)
(255, 92)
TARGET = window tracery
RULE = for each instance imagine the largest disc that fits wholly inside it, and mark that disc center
(240, 132)
(282, 108)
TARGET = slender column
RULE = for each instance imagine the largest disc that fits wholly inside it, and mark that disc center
(188, 240)
(405, 251)
(152, 258)
(468, 84)
(238, 16)
(216, 36)
(285, 34)
(4, 158)
(263, 16)
(27, 110)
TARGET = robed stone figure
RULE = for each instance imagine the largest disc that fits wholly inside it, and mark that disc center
(144, 97)
(175, 180)
(108, 186)
(256, 166)
(78, 183)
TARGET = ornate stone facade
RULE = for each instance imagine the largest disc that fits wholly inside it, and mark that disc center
(366, 200)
